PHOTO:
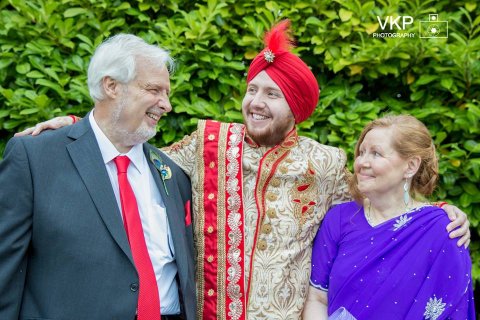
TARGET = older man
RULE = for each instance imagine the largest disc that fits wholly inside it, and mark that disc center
(95, 222)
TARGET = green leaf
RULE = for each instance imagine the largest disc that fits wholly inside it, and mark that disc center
(417, 95)
(5, 63)
(50, 84)
(72, 12)
(335, 121)
(23, 68)
(345, 15)
(35, 74)
(472, 146)
(446, 83)
(11, 124)
(4, 113)
(28, 111)
(214, 94)
(425, 79)
(470, 6)
(470, 188)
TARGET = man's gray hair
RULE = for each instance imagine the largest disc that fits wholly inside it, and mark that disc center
(117, 58)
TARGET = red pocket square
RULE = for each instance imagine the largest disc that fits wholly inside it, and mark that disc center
(188, 215)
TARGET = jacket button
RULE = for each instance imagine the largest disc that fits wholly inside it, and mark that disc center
(262, 245)
(267, 228)
(134, 287)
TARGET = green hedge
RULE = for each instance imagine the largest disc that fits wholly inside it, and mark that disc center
(46, 46)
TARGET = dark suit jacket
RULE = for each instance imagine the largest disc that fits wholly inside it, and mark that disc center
(64, 252)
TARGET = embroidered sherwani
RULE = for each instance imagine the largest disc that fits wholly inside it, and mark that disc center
(256, 212)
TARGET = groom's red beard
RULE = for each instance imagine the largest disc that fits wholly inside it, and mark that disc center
(274, 134)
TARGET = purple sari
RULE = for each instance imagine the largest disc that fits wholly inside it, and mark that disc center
(404, 268)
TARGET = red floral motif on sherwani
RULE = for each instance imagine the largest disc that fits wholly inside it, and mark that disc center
(256, 212)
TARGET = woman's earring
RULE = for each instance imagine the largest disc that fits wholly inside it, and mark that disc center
(406, 195)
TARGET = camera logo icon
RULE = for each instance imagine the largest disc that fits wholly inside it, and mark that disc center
(433, 28)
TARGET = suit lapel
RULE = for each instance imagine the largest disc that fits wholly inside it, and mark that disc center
(87, 158)
(168, 200)
(174, 208)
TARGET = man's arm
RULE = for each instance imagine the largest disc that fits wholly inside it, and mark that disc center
(341, 192)
(316, 306)
(184, 153)
(54, 123)
(15, 227)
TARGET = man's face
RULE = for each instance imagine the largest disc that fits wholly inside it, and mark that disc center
(265, 110)
(140, 105)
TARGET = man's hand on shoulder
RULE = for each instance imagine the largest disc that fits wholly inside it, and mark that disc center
(54, 123)
(459, 227)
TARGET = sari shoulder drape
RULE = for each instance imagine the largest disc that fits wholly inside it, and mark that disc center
(405, 268)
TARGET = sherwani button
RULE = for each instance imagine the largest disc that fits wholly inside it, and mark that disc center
(271, 213)
(262, 245)
(211, 292)
(212, 165)
(267, 228)
(134, 287)
(210, 258)
(211, 196)
(275, 182)
(210, 229)
(271, 196)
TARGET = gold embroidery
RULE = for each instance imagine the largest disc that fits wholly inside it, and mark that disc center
(235, 236)
(269, 164)
(200, 238)
(180, 144)
(275, 182)
(221, 220)
(304, 194)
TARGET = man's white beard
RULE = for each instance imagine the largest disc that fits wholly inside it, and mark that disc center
(141, 135)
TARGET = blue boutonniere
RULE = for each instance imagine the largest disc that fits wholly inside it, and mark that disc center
(165, 172)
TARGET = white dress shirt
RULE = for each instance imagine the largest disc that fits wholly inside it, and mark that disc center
(152, 214)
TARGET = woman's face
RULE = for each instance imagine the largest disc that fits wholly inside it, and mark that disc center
(379, 169)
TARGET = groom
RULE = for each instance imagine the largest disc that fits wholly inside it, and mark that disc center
(83, 237)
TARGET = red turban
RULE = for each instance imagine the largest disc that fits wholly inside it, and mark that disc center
(289, 72)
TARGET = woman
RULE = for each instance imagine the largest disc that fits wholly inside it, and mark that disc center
(386, 255)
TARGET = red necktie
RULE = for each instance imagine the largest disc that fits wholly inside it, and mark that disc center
(148, 299)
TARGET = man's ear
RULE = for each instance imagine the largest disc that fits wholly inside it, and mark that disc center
(111, 87)
(412, 166)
